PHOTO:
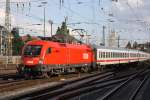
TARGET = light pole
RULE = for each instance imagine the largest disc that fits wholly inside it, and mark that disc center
(51, 23)
(104, 35)
(43, 5)
(118, 41)
(44, 23)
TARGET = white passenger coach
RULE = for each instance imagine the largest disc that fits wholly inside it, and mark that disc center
(108, 56)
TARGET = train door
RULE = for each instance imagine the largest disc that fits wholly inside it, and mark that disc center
(94, 58)
(48, 55)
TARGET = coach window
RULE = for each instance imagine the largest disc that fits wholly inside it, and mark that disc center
(48, 51)
(111, 55)
(108, 54)
(104, 54)
(100, 54)
(115, 55)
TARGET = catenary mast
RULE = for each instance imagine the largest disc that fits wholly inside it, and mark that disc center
(8, 27)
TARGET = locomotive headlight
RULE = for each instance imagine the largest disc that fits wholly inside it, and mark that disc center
(40, 61)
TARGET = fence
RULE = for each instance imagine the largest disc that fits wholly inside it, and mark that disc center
(10, 59)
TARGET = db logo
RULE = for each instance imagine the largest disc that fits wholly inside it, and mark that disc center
(85, 56)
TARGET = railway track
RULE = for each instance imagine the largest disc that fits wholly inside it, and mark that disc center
(13, 76)
(10, 79)
(9, 87)
(129, 89)
(126, 90)
(104, 83)
(73, 88)
(82, 80)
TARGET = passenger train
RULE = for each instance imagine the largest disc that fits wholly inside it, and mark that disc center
(40, 56)
(108, 56)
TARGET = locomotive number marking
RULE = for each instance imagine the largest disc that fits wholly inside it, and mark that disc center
(85, 56)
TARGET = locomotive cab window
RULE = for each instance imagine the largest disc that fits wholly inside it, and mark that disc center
(32, 50)
(48, 51)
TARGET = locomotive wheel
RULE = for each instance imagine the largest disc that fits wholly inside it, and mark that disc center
(45, 75)
(86, 69)
(27, 76)
(78, 70)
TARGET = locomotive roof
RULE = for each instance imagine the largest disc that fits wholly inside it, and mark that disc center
(56, 44)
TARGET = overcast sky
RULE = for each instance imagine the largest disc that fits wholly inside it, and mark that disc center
(130, 18)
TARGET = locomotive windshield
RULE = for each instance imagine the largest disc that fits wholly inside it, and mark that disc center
(32, 50)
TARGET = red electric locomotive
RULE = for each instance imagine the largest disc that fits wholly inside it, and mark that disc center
(49, 57)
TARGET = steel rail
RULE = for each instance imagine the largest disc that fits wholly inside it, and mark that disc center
(107, 95)
(139, 87)
(68, 84)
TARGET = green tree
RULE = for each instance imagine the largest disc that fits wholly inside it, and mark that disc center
(62, 33)
(135, 45)
(58, 31)
(63, 30)
(29, 38)
(17, 42)
(128, 45)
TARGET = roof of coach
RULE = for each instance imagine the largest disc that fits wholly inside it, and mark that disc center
(114, 49)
